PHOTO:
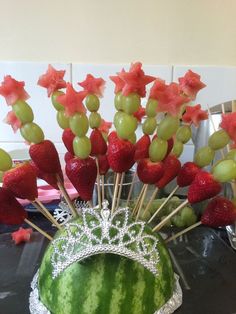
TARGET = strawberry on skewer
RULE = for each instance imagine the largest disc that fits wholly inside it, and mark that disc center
(203, 187)
(13, 213)
(22, 182)
(94, 88)
(220, 212)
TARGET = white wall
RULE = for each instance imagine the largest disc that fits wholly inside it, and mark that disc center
(109, 31)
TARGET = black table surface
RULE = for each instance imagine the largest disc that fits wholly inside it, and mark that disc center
(205, 263)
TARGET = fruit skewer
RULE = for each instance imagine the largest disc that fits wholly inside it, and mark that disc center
(206, 185)
(42, 152)
(219, 212)
(193, 115)
(130, 87)
(94, 88)
(13, 213)
(53, 81)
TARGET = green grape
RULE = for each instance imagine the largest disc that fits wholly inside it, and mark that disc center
(79, 124)
(204, 156)
(23, 111)
(94, 120)
(55, 103)
(168, 127)
(149, 126)
(188, 216)
(82, 147)
(32, 133)
(225, 171)
(119, 101)
(63, 120)
(177, 148)
(218, 140)
(5, 161)
(158, 149)
(131, 103)
(117, 116)
(145, 216)
(92, 102)
(151, 108)
(168, 222)
(132, 138)
(231, 155)
(1, 175)
(177, 221)
(126, 126)
(184, 134)
(156, 204)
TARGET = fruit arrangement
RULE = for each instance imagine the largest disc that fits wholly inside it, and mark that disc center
(126, 251)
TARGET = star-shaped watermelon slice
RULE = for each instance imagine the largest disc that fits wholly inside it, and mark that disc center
(105, 126)
(72, 100)
(119, 83)
(158, 87)
(13, 121)
(21, 235)
(135, 80)
(190, 84)
(171, 100)
(93, 85)
(194, 114)
(13, 90)
(228, 123)
(52, 80)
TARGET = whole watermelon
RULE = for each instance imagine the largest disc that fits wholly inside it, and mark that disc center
(106, 284)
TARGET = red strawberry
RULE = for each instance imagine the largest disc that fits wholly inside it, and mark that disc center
(120, 155)
(82, 173)
(21, 181)
(99, 146)
(172, 167)
(50, 178)
(45, 156)
(112, 136)
(220, 212)
(203, 187)
(141, 148)
(67, 138)
(11, 211)
(103, 164)
(187, 174)
(68, 156)
(150, 172)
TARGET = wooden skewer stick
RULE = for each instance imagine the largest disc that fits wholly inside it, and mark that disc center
(98, 185)
(141, 201)
(154, 194)
(163, 204)
(118, 176)
(131, 188)
(43, 208)
(183, 232)
(138, 200)
(66, 197)
(38, 229)
(120, 189)
(103, 187)
(42, 211)
(90, 204)
(167, 218)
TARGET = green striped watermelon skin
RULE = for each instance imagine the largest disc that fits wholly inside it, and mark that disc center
(106, 284)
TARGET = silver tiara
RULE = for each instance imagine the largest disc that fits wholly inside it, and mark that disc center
(100, 231)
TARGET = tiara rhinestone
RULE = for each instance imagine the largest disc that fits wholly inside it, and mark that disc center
(100, 231)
